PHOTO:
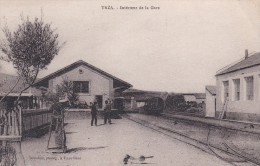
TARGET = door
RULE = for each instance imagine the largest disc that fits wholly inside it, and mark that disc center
(119, 104)
(99, 99)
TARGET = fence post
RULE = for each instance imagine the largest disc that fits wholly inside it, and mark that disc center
(20, 121)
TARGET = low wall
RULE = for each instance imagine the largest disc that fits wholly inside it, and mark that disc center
(238, 116)
(86, 113)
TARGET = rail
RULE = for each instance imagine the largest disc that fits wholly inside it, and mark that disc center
(235, 155)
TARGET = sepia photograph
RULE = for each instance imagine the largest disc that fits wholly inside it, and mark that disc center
(129, 82)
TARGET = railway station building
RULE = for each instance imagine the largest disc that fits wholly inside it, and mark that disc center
(238, 85)
(89, 82)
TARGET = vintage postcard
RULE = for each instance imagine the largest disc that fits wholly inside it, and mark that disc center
(129, 82)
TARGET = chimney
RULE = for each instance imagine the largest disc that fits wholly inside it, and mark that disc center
(246, 53)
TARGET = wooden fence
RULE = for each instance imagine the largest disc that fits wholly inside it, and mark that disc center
(34, 118)
(13, 123)
(10, 137)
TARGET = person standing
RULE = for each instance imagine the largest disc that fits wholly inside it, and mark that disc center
(93, 113)
(107, 112)
(58, 109)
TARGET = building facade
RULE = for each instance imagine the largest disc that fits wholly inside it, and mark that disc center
(210, 101)
(199, 98)
(239, 86)
(90, 83)
(189, 97)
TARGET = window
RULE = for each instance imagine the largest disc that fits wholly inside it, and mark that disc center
(80, 71)
(81, 86)
(249, 88)
(236, 89)
(226, 89)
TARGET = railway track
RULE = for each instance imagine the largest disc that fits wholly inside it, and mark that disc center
(166, 116)
(228, 154)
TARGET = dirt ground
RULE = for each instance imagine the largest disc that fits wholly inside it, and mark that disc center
(108, 145)
(243, 142)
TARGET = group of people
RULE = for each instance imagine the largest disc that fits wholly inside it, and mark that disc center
(107, 112)
(58, 109)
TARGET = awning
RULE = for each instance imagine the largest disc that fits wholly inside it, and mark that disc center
(16, 94)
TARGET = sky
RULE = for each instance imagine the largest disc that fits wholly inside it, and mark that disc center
(176, 48)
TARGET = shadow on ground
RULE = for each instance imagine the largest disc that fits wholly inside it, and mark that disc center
(71, 132)
(105, 124)
(73, 150)
(42, 130)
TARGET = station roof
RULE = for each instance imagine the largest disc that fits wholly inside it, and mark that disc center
(200, 95)
(76, 64)
(143, 95)
(196, 95)
(211, 89)
(251, 61)
(11, 83)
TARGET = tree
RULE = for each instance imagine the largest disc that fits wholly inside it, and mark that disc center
(66, 89)
(63, 90)
(30, 49)
(176, 102)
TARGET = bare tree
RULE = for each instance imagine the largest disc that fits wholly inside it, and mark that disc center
(30, 49)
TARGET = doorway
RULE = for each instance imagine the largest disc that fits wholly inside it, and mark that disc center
(119, 104)
(99, 99)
